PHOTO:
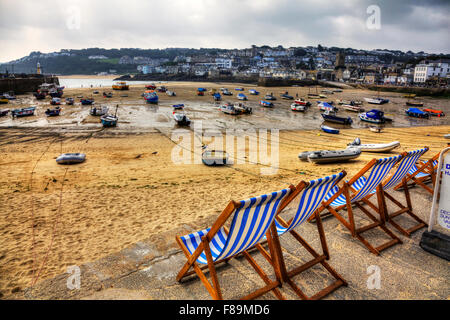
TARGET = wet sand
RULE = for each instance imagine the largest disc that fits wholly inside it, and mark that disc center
(129, 188)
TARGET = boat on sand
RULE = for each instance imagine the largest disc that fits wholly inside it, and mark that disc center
(330, 156)
(374, 147)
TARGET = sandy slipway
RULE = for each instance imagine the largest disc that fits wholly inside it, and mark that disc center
(147, 269)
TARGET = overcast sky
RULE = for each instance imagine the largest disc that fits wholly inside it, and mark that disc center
(48, 25)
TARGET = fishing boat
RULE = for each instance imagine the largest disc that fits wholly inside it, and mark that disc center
(201, 91)
(53, 112)
(302, 102)
(107, 94)
(71, 158)
(229, 109)
(98, 111)
(9, 95)
(150, 87)
(266, 103)
(151, 97)
(70, 101)
(327, 91)
(109, 120)
(243, 108)
(376, 100)
(4, 112)
(313, 96)
(417, 113)
(226, 92)
(298, 107)
(120, 86)
(181, 118)
(331, 116)
(214, 158)
(23, 112)
(373, 116)
(161, 89)
(39, 95)
(270, 97)
(337, 90)
(253, 92)
(55, 101)
(178, 106)
(324, 106)
(374, 147)
(328, 129)
(410, 96)
(87, 102)
(350, 102)
(239, 89)
(217, 96)
(330, 156)
(242, 97)
(414, 104)
(354, 108)
(435, 113)
(171, 93)
(286, 96)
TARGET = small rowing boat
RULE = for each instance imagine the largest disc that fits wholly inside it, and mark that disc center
(414, 104)
(435, 113)
(353, 108)
(242, 97)
(328, 129)
(98, 111)
(253, 92)
(376, 100)
(4, 112)
(53, 112)
(178, 106)
(267, 104)
(298, 107)
(87, 102)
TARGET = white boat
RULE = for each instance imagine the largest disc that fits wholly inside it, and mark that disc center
(376, 100)
(229, 109)
(374, 147)
(71, 158)
(350, 102)
(181, 118)
(354, 108)
(330, 156)
(298, 107)
(171, 93)
(242, 107)
(324, 106)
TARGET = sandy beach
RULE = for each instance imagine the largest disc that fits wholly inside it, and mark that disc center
(129, 188)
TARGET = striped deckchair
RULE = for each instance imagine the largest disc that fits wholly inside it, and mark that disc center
(399, 177)
(420, 174)
(251, 221)
(309, 196)
(354, 192)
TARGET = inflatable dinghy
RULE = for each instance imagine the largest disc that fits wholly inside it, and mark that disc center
(330, 156)
(373, 147)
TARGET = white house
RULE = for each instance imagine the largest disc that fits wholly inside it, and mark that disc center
(424, 71)
(224, 63)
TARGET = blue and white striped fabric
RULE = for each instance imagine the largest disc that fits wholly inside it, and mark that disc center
(404, 167)
(421, 174)
(250, 222)
(309, 200)
(366, 186)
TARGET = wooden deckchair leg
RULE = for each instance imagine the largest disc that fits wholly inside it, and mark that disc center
(323, 240)
(349, 210)
(408, 210)
(212, 269)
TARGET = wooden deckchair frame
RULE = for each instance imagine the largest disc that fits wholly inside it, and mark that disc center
(350, 224)
(408, 209)
(286, 276)
(214, 288)
(426, 167)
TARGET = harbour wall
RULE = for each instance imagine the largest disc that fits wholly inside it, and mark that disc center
(25, 83)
